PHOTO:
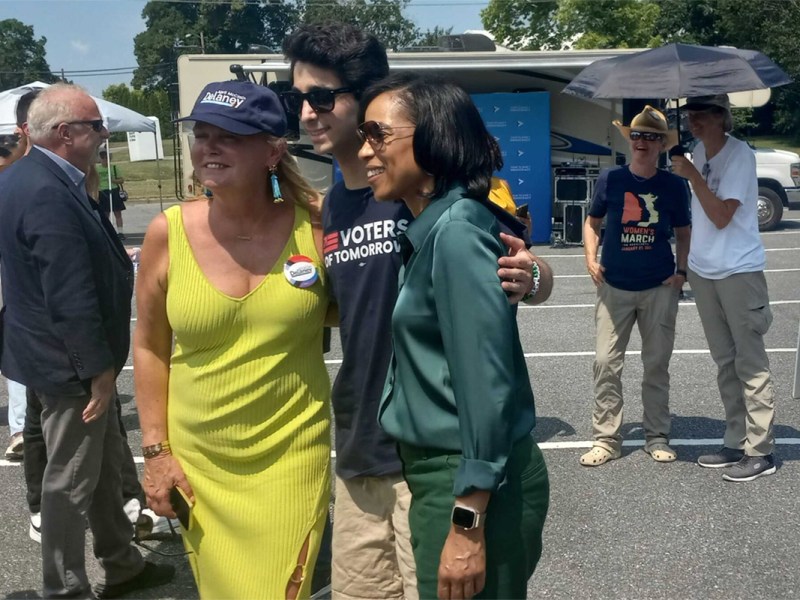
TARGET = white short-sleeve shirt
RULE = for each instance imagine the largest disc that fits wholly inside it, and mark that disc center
(737, 247)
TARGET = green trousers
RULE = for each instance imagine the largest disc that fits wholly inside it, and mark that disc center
(514, 521)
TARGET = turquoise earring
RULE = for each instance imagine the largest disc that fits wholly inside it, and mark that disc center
(277, 197)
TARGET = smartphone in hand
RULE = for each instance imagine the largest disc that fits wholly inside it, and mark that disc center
(182, 506)
(522, 211)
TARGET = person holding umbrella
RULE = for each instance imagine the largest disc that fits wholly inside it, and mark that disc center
(638, 281)
(726, 272)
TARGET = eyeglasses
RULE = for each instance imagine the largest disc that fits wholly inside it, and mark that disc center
(706, 170)
(377, 133)
(321, 100)
(96, 124)
(10, 140)
(648, 136)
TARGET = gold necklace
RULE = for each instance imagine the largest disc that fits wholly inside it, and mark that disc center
(248, 238)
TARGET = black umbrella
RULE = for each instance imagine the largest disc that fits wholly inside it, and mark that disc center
(677, 71)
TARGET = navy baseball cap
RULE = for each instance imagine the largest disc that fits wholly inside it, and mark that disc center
(241, 107)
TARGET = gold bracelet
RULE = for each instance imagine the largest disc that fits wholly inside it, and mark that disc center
(156, 449)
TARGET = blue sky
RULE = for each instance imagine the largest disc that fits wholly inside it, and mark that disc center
(98, 34)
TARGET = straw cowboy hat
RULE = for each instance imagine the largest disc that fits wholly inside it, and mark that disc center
(652, 120)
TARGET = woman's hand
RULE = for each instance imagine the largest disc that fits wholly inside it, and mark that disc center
(161, 474)
(462, 566)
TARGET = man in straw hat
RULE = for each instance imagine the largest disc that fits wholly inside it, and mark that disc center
(726, 272)
(637, 281)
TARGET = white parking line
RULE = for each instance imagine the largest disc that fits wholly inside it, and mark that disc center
(765, 271)
(637, 352)
(684, 304)
(555, 446)
(640, 443)
(582, 256)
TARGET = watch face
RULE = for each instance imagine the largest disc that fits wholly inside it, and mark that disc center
(463, 517)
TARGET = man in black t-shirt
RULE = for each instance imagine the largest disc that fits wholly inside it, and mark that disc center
(331, 65)
(637, 282)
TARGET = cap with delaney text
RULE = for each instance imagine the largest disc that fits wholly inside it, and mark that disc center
(241, 107)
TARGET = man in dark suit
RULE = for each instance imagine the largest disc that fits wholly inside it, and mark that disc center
(67, 288)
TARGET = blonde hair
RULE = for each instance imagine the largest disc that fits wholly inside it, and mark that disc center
(92, 183)
(300, 191)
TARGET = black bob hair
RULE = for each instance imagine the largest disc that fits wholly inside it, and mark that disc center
(451, 141)
(356, 56)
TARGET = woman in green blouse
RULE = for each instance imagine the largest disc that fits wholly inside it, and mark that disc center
(458, 397)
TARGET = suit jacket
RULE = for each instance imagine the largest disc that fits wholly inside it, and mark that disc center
(67, 281)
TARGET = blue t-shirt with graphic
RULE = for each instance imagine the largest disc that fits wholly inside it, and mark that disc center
(362, 258)
(639, 217)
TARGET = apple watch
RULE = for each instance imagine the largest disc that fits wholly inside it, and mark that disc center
(466, 518)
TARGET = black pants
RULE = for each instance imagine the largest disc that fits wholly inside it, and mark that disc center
(36, 456)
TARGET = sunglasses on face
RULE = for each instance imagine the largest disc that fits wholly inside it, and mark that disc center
(321, 100)
(10, 140)
(96, 124)
(647, 136)
(377, 133)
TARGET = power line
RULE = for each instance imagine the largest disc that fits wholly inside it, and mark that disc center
(92, 72)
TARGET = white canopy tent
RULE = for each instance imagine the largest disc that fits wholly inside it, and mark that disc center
(117, 118)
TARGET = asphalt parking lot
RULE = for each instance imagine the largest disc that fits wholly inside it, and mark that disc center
(630, 529)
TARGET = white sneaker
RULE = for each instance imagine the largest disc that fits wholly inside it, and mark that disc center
(132, 509)
(161, 524)
(35, 529)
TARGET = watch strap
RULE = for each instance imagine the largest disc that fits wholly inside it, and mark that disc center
(477, 517)
(156, 449)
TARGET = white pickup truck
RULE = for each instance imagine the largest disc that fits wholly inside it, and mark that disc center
(778, 184)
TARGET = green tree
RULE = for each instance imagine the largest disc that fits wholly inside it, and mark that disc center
(524, 25)
(561, 24)
(609, 23)
(430, 37)
(211, 26)
(383, 18)
(22, 56)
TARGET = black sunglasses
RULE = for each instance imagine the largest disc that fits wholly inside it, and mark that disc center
(648, 136)
(377, 133)
(10, 140)
(322, 100)
(96, 124)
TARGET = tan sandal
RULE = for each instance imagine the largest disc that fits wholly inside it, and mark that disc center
(661, 452)
(598, 456)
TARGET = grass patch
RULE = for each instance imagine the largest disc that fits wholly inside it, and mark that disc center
(142, 177)
(775, 141)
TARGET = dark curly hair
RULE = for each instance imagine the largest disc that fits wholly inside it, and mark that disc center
(357, 57)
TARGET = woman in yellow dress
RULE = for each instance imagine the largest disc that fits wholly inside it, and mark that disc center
(236, 413)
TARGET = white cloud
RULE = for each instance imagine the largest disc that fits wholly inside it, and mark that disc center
(81, 46)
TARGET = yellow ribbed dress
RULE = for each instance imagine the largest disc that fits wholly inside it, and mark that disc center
(249, 419)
